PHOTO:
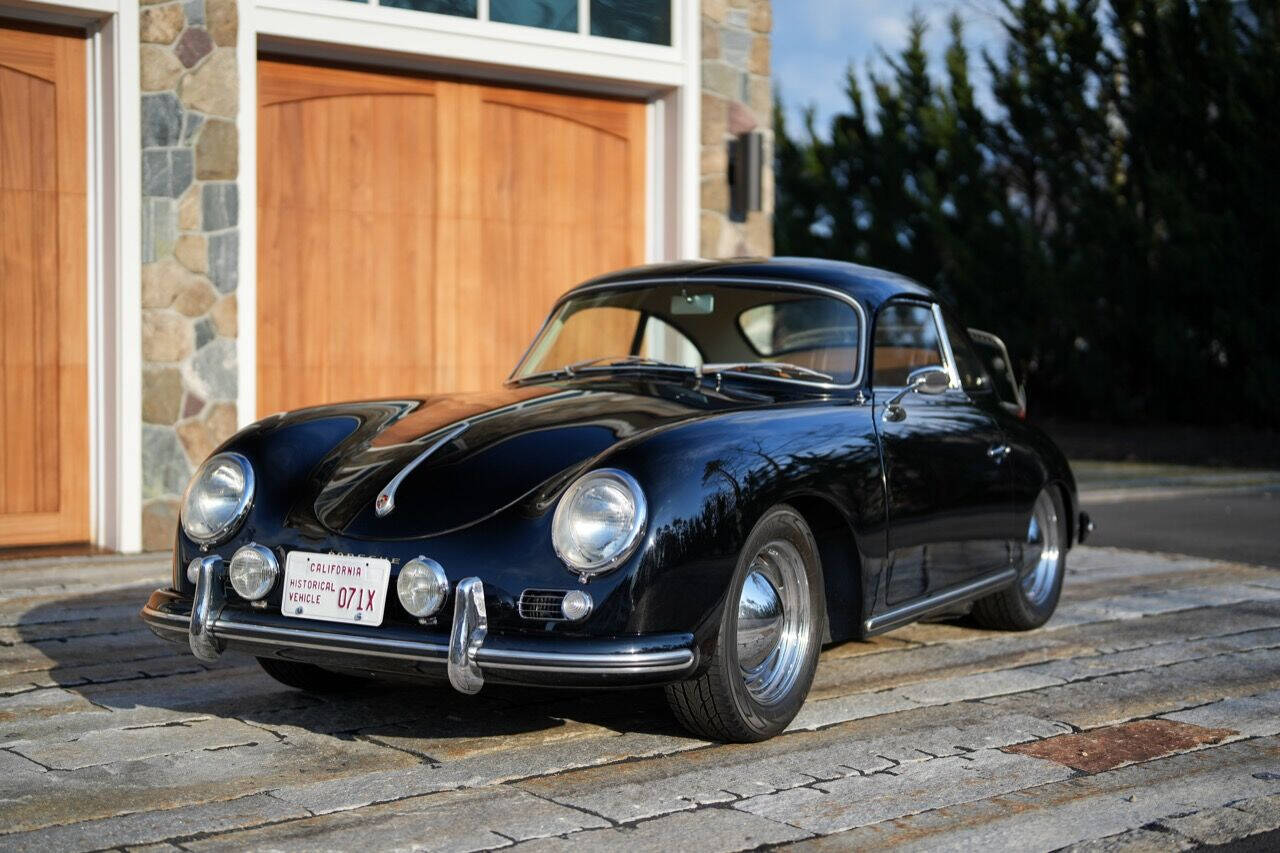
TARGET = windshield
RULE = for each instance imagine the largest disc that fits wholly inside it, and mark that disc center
(694, 324)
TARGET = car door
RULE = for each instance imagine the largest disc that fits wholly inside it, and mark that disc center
(946, 481)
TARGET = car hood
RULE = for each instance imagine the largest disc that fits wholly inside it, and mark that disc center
(505, 445)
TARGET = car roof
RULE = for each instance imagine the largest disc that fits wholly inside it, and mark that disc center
(869, 285)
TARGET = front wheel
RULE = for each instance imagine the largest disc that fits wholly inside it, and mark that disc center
(770, 635)
(1031, 601)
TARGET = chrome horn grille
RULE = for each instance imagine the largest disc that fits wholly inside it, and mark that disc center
(542, 605)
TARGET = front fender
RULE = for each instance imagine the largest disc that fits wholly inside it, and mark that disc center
(708, 483)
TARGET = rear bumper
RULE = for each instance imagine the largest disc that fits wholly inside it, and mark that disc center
(468, 658)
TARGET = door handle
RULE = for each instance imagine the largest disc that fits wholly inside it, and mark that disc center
(998, 452)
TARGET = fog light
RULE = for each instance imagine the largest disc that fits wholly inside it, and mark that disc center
(422, 586)
(193, 570)
(576, 605)
(253, 571)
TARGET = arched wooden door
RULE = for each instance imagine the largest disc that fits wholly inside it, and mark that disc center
(413, 232)
(44, 435)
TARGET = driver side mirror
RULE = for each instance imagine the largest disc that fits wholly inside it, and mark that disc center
(929, 380)
(926, 380)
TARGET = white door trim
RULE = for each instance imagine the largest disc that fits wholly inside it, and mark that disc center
(114, 305)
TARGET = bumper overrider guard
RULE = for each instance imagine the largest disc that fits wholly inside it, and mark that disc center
(210, 628)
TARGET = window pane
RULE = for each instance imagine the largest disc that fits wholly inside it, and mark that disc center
(997, 365)
(548, 14)
(665, 343)
(689, 324)
(583, 332)
(633, 20)
(462, 8)
(906, 339)
(820, 334)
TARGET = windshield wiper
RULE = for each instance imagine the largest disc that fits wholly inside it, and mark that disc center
(620, 361)
(570, 370)
(783, 369)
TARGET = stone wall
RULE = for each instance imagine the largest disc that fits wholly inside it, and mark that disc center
(737, 96)
(190, 246)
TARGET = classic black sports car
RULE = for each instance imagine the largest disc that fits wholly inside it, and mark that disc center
(698, 474)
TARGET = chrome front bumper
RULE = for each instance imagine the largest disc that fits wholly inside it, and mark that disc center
(209, 627)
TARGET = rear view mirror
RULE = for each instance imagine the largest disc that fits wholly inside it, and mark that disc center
(693, 303)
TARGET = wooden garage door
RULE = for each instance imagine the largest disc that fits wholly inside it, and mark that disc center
(44, 441)
(414, 232)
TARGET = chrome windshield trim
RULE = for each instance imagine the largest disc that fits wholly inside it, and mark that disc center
(947, 353)
(729, 281)
(386, 500)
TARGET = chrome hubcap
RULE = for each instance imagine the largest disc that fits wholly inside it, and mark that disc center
(772, 632)
(760, 620)
(1040, 566)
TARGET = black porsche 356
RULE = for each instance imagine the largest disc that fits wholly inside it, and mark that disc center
(698, 474)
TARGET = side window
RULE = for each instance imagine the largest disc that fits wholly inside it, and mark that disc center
(906, 339)
(973, 376)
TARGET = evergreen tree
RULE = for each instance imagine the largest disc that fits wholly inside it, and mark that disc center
(1116, 218)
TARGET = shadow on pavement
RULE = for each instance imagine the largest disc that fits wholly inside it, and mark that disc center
(99, 649)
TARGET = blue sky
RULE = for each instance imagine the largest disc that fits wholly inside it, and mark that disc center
(814, 41)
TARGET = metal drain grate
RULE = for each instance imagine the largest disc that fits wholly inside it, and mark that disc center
(542, 605)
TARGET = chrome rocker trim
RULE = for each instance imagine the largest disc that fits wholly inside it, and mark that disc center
(914, 610)
(211, 630)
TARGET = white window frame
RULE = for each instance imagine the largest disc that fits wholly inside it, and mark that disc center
(113, 157)
(668, 77)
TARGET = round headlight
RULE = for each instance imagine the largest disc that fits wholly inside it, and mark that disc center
(253, 571)
(598, 521)
(422, 586)
(218, 498)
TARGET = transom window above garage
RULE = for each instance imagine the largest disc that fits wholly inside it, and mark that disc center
(632, 20)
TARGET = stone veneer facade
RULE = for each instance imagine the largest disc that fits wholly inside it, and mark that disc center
(737, 96)
(190, 246)
(190, 215)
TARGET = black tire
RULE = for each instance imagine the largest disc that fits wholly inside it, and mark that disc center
(718, 705)
(311, 678)
(1014, 608)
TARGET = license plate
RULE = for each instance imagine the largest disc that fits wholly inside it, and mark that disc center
(335, 588)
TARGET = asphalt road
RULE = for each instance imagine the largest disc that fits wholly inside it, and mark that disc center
(1142, 717)
(1243, 526)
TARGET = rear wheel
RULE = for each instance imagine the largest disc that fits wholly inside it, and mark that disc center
(1031, 601)
(770, 634)
(309, 677)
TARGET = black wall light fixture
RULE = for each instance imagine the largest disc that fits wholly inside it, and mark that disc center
(746, 171)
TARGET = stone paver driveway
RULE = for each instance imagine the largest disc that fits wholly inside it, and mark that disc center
(1146, 714)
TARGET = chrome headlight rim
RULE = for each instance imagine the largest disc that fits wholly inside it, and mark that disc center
(243, 505)
(588, 570)
(436, 571)
(269, 562)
